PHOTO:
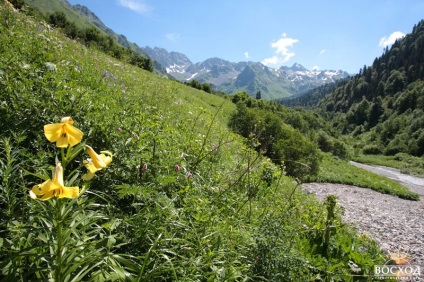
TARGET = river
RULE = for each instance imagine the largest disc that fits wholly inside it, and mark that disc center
(412, 182)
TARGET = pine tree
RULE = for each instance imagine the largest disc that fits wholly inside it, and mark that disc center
(258, 95)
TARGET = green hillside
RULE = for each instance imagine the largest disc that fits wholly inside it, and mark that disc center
(47, 7)
(176, 195)
(81, 17)
(382, 107)
(79, 23)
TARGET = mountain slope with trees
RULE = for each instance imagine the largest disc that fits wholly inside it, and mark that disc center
(382, 105)
(79, 22)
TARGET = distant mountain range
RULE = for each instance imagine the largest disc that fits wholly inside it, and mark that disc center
(251, 77)
(225, 76)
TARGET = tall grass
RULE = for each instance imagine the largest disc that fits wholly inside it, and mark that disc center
(184, 198)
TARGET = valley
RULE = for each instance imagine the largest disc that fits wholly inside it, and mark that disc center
(189, 184)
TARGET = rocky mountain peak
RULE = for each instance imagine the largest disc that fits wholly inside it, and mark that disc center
(232, 77)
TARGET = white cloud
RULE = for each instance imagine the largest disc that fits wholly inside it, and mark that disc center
(315, 68)
(246, 54)
(135, 5)
(172, 36)
(386, 41)
(270, 61)
(322, 51)
(282, 52)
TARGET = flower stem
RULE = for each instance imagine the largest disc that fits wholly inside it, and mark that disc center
(59, 219)
(62, 152)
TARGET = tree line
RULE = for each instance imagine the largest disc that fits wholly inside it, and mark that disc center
(384, 101)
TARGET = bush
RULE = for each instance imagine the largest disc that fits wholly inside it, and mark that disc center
(397, 145)
(324, 142)
(277, 140)
(299, 155)
(371, 150)
(340, 150)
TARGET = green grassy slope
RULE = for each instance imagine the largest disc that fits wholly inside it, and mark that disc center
(46, 7)
(81, 20)
(183, 199)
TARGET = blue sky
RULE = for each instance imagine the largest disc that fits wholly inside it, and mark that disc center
(325, 34)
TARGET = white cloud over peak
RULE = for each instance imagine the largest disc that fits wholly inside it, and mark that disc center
(282, 52)
(172, 36)
(135, 5)
(246, 54)
(270, 61)
(386, 41)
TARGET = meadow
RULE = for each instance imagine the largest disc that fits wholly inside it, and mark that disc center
(180, 198)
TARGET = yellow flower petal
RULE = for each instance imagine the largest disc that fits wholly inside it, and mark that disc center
(62, 142)
(74, 134)
(106, 159)
(32, 195)
(63, 133)
(47, 196)
(53, 131)
(68, 192)
(58, 175)
(95, 158)
(41, 189)
(68, 120)
(91, 167)
(54, 187)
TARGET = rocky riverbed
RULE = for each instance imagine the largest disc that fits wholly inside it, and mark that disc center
(396, 224)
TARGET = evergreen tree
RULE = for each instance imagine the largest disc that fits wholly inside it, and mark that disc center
(59, 19)
(258, 95)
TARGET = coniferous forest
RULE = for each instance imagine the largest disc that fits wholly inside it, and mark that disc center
(382, 105)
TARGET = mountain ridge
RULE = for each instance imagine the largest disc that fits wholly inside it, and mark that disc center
(221, 74)
(249, 76)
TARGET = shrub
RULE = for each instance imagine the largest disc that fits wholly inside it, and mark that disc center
(277, 140)
(340, 150)
(371, 150)
(324, 142)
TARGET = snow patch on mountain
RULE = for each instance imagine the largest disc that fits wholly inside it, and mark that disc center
(191, 77)
(244, 76)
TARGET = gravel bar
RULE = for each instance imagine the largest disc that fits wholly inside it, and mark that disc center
(397, 225)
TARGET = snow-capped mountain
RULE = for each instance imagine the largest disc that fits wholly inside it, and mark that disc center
(231, 77)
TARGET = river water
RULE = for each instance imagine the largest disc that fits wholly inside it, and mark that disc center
(412, 182)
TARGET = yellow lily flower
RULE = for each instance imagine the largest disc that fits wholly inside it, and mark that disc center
(96, 163)
(54, 187)
(63, 133)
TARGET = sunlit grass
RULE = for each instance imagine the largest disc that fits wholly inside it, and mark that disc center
(405, 163)
(226, 214)
(340, 171)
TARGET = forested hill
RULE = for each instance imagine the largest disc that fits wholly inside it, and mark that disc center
(385, 99)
